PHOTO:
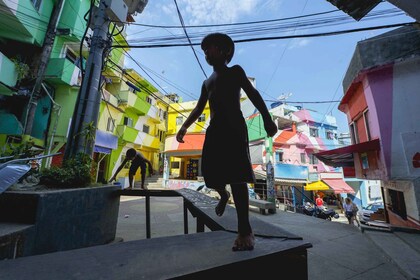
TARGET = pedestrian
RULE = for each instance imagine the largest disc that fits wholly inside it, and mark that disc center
(137, 160)
(225, 155)
(319, 201)
(351, 209)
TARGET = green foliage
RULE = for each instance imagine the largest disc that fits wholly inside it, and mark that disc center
(75, 172)
(22, 68)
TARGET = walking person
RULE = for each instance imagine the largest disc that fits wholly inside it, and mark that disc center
(351, 209)
(137, 160)
(319, 201)
(225, 155)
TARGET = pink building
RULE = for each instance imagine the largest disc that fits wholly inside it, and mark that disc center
(382, 101)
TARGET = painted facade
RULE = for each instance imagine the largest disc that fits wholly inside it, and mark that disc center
(291, 149)
(132, 114)
(381, 104)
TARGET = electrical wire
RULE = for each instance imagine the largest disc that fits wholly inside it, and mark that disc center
(189, 40)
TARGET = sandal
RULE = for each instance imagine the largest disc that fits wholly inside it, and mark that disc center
(220, 207)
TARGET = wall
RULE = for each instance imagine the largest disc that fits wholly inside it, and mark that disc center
(63, 219)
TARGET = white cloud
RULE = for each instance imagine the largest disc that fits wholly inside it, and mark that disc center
(196, 12)
(299, 43)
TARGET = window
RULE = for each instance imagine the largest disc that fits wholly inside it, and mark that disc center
(36, 3)
(175, 164)
(353, 132)
(149, 100)
(146, 128)
(313, 159)
(110, 125)
(202, 118)
(279, 156)
(329, 134)
(128, 121)
(366, 118)
(313, 131)
(179, 120)
(70, 55)
(161, 135)
(165, 115)
(302, 158)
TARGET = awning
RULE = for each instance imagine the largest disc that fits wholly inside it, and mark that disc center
(261, 174)
(338, 185)
(317, 186)
(101, 150)
(343, 157)
(193, 145)
(105, 142)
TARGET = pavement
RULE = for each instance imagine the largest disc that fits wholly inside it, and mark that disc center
(340, 250)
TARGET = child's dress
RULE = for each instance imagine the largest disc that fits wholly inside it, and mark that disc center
(225, 157)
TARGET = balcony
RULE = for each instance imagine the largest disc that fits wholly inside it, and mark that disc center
(127, 133)
(130, 101)
(61, 71)
(8, 75)
(153, 113)
(148, 141)
(23, 21)
(111, 99)
(70, 24)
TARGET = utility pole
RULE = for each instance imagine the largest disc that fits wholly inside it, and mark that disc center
(45, 56)
(271, 192)
(88, 102)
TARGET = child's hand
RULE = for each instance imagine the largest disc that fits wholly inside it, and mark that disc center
(270, 128)
(180, 135)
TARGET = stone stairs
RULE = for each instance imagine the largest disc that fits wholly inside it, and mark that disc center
(152, 182)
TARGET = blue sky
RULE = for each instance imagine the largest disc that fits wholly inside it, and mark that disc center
(311, 69)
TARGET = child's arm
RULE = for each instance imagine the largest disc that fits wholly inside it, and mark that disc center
(118, 170)
(195, 113)
(258, 102)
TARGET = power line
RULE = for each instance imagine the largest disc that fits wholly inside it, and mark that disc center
(189, 40)
(233, 24)
(332, 33)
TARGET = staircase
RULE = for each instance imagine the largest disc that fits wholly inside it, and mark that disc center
(153, 182)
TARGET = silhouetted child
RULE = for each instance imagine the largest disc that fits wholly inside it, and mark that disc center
(137, 160)
(225, 156)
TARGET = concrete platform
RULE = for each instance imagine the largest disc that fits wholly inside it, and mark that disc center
(184, 256)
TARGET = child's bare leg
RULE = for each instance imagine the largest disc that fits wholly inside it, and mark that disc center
(245, 240)
(224, 198)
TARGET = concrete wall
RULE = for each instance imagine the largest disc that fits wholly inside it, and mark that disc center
(63, 219)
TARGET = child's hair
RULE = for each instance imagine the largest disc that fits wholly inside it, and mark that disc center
(222, 41)
(130, 153)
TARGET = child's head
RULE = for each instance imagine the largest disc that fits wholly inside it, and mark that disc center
(222, 41)
(131, 153)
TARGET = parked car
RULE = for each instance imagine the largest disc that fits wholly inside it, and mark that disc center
(364, 214)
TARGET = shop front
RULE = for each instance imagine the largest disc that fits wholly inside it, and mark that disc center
(182, 162)
(289, 182)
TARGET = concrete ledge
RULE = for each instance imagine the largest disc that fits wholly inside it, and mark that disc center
(193, 256)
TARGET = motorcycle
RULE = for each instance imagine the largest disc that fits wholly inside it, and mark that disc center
(319, 212)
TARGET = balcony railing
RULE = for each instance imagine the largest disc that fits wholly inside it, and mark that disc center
(130, 101)
(62, 71)
(111, 99)
(127, 133)
(8, 75)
